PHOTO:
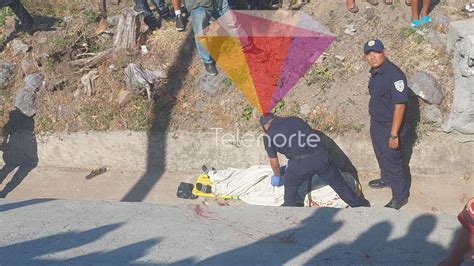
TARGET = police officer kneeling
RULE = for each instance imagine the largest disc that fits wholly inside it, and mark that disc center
(295, 139)
(388, 127)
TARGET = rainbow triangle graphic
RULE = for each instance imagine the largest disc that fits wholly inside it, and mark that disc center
(265, 53)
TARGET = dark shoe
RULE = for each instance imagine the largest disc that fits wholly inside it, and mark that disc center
(32, 28)
(377, 183)
(366, 203)
(164, 13)
(184, 11)
(211, 68)
(396, 205)
(180, 23)
(152, 23)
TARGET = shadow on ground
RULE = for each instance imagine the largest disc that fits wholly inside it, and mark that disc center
(157, 145)
(371, 247)
(37, 251)
(20, 150)
(314, 236)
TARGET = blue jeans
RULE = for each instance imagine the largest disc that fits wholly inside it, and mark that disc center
(142, 6)
(201, 17)
(19, 10)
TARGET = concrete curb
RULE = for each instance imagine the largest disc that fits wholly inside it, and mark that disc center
(439, 153)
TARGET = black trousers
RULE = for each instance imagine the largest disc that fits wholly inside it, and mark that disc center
(19, 10)
(390, 162)
(302, 170)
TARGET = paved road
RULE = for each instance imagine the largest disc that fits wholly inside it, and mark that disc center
(41, 231)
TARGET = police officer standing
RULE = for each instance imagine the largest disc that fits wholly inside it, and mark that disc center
(295, 139)
(388, 127)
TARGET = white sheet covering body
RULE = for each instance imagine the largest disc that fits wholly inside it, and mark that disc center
(252, 185)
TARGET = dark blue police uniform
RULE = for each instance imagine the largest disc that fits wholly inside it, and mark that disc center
(387, 87)
(305, 160)
(19, 10)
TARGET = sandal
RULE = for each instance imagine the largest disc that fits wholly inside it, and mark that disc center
(415, 24)
(426, 21)
(408, 2)
(373, 2)
(353, 9)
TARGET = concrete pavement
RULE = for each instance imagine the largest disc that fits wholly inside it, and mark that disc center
(42, 231)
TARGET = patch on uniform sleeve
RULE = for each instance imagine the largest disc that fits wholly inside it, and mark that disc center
(399, 85)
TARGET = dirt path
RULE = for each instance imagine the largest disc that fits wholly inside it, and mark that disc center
(428, 193)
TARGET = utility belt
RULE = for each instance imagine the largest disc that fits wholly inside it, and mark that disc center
(303, 156)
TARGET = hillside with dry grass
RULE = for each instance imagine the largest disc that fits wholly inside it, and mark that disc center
(332, 95)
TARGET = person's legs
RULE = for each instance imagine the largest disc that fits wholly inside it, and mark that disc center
(20, 11)
(158, 3)
(377, 146)
(291, 184)
(180, 18)
(143, 7)
(176, 5)
(333, 177)
(424, 9)
(222, 8)
(103, 24)
(392, 167)
(161, 8)
(232, 26)
(103, 8)
(414, 10)
(425, 18)
(351, 6)
(201, 17)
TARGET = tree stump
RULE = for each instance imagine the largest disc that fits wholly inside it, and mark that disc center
(128, 30)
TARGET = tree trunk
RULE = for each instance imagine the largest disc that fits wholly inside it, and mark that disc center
(128, 30)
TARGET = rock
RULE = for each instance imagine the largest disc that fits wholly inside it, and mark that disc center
(440, 23)
(88, 80)
(140, 81)
(433, 113)
(7, 71)
(19, 47)
(210, 84)
(425, 86)
(305, 109)
(467, 72)
(25, 102)
(34, 81)
(461, 44)
(350, 29)
(113, 21)
(26, 97)
(321, 58)
(436, 38)
(339, 57)
(124, 97)
(28, 66)
(56, 85)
